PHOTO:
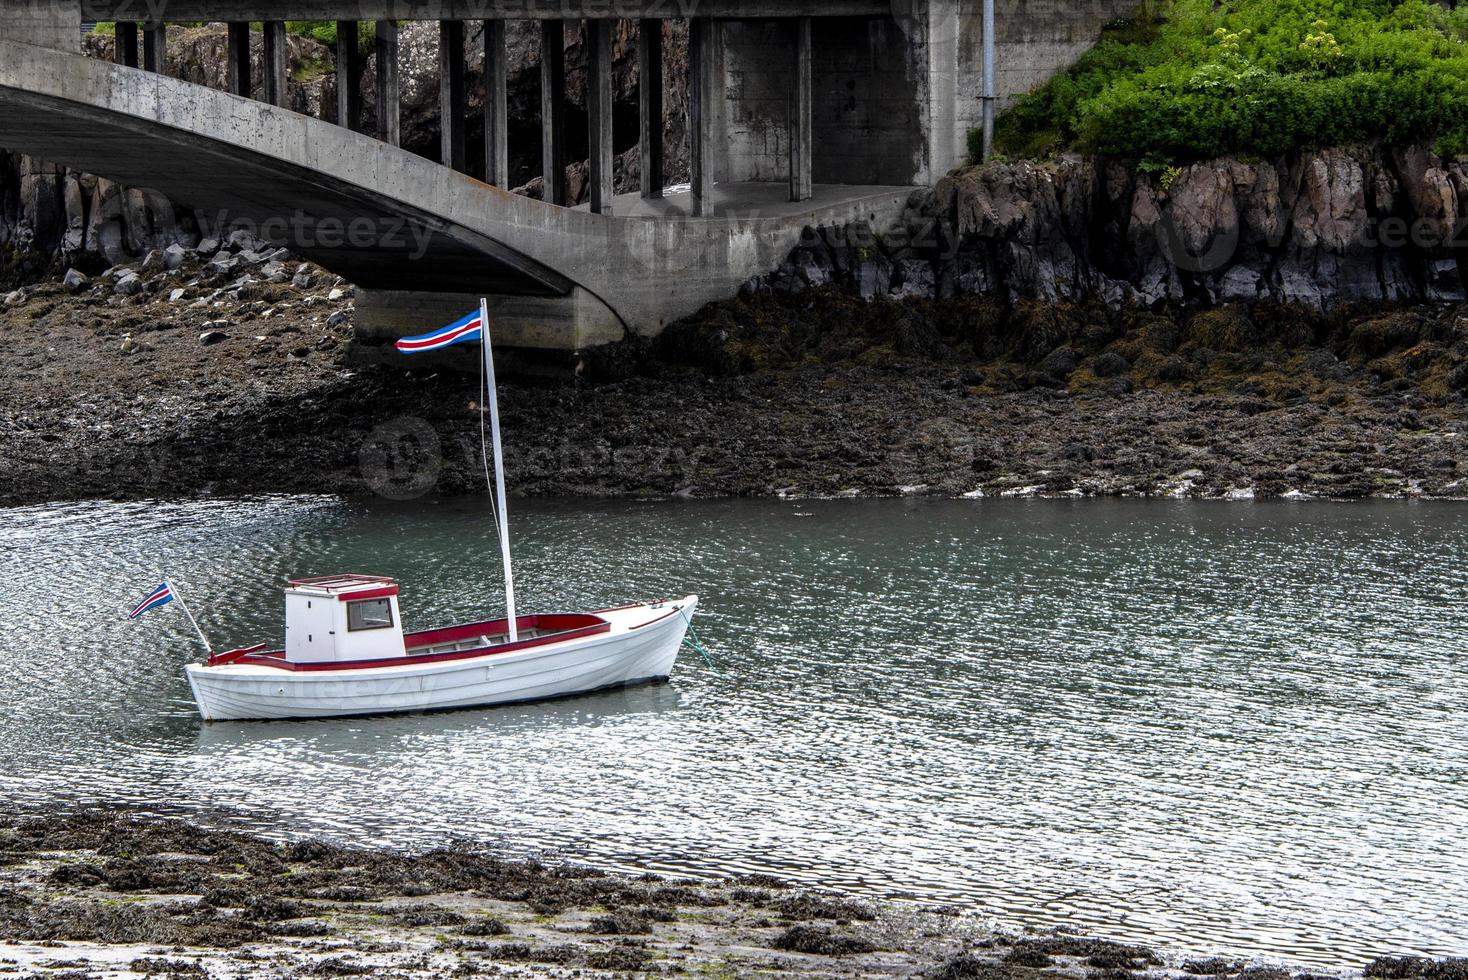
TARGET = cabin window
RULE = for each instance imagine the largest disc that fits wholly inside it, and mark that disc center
(369, 614)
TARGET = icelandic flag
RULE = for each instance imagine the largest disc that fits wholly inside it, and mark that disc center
(161, 596)
(467, 330)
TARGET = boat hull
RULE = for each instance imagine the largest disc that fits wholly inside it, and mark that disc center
(641, 646)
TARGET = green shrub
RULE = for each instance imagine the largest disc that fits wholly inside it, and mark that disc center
(1183, 80)
(320, 30)
(325, 31)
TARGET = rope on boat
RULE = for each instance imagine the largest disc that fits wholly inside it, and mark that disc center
(690, 639)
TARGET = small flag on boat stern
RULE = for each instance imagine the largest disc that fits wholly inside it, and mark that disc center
(467, 330)
(161, 596)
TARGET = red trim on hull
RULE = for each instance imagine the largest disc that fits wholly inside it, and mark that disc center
(554, 622)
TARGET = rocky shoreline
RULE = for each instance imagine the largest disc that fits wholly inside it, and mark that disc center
(107, 893)
(232, 371)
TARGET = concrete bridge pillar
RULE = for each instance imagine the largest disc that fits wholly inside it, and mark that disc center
(389, 84)
(348, 75)
(155, 47)
(701, 110)
(496, 106)
(238, 58)
(553, 110)
(799, 118)
(451, 94)
(650, 105)
(125, 44)
(276, 75)
(599, 112)
(55, 24)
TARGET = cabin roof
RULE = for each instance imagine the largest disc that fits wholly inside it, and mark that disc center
(338, 584)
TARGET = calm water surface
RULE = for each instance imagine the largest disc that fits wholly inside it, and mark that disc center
(1221, 727)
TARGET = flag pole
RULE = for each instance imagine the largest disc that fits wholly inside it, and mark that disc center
(503, 515)
(192, 621)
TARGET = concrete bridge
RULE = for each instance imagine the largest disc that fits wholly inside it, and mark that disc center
(802, 112)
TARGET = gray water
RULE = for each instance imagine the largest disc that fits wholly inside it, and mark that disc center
(1212, 726)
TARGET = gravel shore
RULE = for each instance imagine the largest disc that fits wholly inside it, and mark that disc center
(95, 893)
(196, 382)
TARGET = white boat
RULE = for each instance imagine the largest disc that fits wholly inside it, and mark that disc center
(346, 654)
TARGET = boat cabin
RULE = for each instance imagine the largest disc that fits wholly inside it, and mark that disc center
(342, 617)
(343, 622)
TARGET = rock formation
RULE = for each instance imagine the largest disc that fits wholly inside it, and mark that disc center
(1320, 228)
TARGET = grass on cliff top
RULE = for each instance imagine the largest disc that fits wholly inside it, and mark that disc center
(1185, 80)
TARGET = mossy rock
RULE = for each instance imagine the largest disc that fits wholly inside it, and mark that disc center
(1380, 335)
(1153, 332)
(975, 322)
(1227, 329)
(1289, 324)
(1036, 328)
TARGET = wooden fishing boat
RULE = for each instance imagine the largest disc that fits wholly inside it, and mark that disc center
(346, 654)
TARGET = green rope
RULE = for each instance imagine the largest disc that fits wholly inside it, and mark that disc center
(690, 639)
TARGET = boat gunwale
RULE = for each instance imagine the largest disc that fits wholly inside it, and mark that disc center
(276, 658)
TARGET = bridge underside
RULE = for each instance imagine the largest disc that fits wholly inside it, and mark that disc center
(364, 237)
(414, 236)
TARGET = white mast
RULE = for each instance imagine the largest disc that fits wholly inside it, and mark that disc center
(503, 515)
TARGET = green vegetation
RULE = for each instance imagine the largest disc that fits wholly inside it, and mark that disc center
(325, 31)
(1191, 79)
(320, 30)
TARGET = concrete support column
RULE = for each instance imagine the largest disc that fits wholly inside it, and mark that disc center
(553, 109)
(54, 24)
(276, 75)
(988, 90)
(451, 94)
(155, 47)
(946, 136)
(496, 106)
(650, 105)
(238, 58)
(348, 75)
(800, 115)
(701, 113)
(599, 112)
(125, 44)
(389, 84)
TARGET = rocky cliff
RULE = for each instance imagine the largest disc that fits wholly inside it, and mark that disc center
(1319, 228)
